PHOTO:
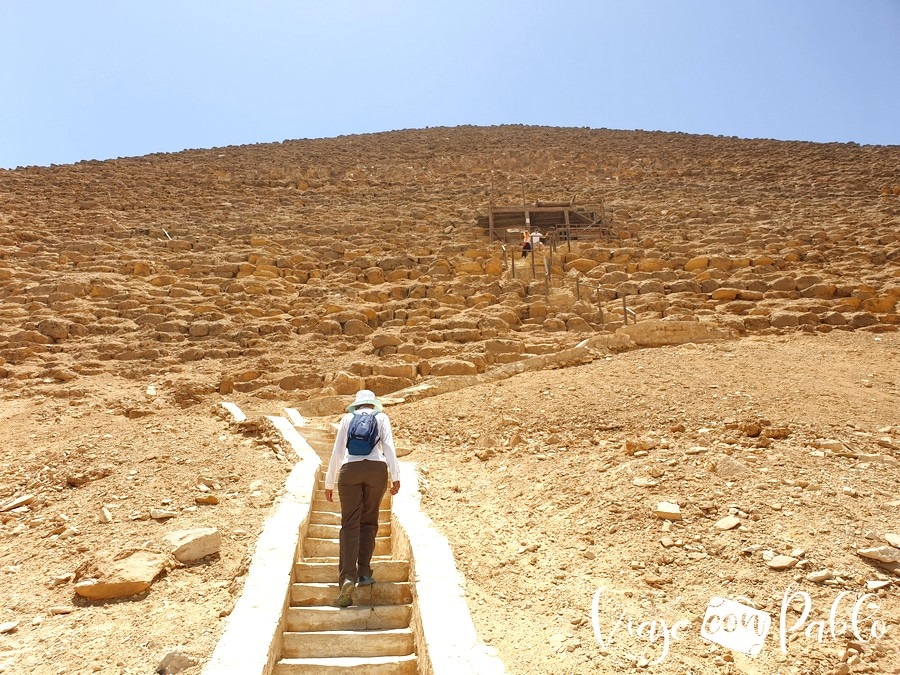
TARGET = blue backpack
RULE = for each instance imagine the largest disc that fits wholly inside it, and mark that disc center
(362, 435)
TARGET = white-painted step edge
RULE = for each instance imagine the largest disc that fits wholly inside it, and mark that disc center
(236, 412)
(440, 613)
(251, 641)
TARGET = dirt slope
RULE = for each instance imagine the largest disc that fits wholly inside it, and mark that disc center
(137, 294)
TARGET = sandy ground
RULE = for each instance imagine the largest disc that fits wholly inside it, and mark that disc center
(532, 481)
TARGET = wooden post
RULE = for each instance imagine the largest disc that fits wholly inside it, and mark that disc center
(491, 224)
(624, 312)
(514, 254)
(550, 248)
(568, 232)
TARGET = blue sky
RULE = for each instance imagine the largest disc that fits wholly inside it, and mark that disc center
(101, 79)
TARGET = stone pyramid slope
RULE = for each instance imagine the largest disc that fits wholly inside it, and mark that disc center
(317, 266)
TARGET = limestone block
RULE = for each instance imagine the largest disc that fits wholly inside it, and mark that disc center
(107, 577)
(552, 324)
(163, 280)
(54, 328)
(329, 327)
(356, 327)
(346, 383)
(381, 340)
(196, 544)
(445, 367)
(783, 284)
(880, 305)
(834, 319)
(494, 267)
(404, 370)
(725, 294)
(504, 347)
(309, 380)
(384, 384)
(862, 319)
(582, 265)
(651, 286)
(698, 263)
(396, 275)
(578, 325)
(783, 320)
(668, 511)
(463, 335)
(468, 267)
(374, 275)
(651, 264)
(823, 291)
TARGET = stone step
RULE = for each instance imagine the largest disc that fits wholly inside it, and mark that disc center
(380, 593)
(318, 548)
(389, 642)
(322, 531)
(319, 495)
(321, 504)
(376, 617)
(379, 665)
(325, 572)
(334, 517)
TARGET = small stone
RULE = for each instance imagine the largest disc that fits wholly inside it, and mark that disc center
(18, 502)
(190, 545)
(892, 539)
(820, 576)
(875, 584)
(8, 627)
(62, 609)
(175, 662)
(162, 514)
(105, 516)
(207, 499)
(781, 562)
(727, 523)
(887, 554)
(668, 511)
(667, 542)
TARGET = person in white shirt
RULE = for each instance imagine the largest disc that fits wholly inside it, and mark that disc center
(361, 481)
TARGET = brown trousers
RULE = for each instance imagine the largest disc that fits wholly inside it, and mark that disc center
(361, 487)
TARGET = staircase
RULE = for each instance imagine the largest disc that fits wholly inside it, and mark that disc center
(373, 635)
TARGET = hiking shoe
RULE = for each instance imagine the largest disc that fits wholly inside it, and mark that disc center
(345, 597)
(365, 581)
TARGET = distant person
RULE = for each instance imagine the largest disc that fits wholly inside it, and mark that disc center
(362, 456)
(526, 243)
(535, 239)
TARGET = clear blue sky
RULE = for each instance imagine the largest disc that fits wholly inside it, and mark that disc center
(91, 79)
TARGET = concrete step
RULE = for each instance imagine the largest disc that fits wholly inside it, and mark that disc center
(334, 517)
(309, 594)
(325, 572)
(321, 531)
(390, 642)
(377, 617)
(379, 665)
(313, 547)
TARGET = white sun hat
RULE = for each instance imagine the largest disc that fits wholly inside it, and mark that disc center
(365, 397)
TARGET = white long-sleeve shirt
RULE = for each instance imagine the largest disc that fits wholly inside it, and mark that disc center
(383, 451)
